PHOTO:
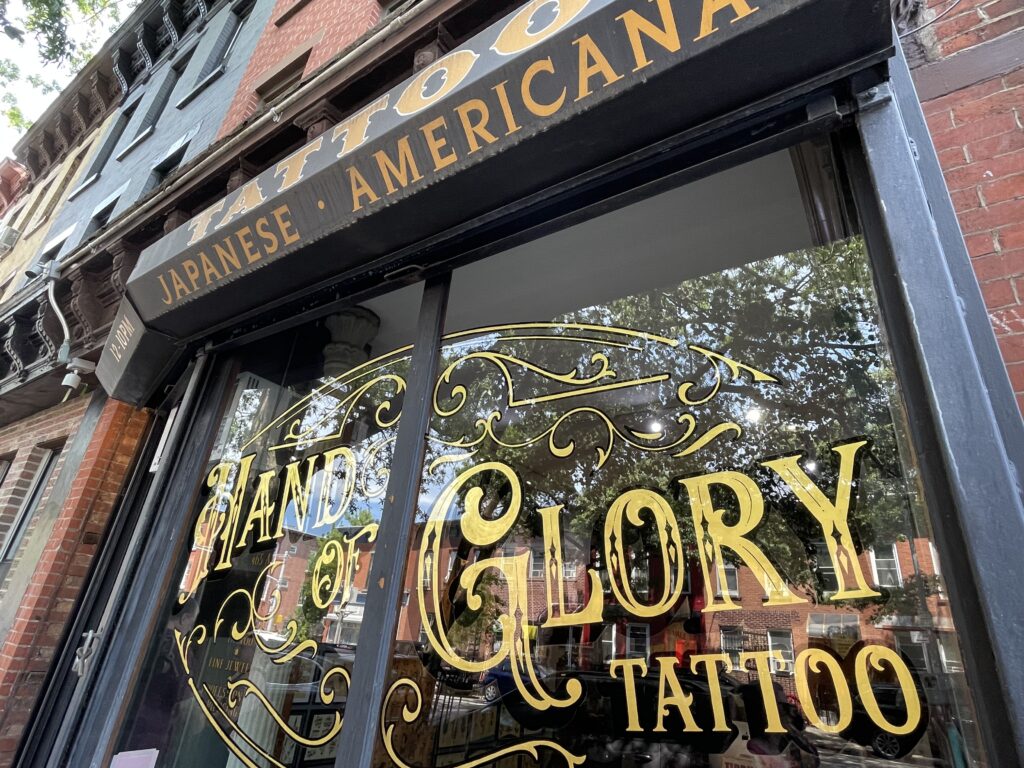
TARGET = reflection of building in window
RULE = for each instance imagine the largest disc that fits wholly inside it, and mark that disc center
(732, 581)
(428, 568)
(886, 566)
(423, 629)
(914, 647)
(638, 641)
(781, 640)
(833, 626)
(29, 507)
(825, 568)
(451, 565)
(732, 644)
(537, 564)
(640, 574)
(940, 586)
(949, 652)
(568, 569)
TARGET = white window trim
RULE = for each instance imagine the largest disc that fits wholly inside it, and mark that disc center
(774, 664)
(896, 560)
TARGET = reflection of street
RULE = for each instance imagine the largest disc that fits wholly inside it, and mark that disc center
(451, 705)
(839, 753)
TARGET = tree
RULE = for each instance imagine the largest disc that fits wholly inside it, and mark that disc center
(65, 33)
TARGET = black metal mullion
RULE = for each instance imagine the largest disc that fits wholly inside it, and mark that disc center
(965, 436)
(387, 572)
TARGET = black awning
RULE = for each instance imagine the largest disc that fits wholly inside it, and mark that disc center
(551, 90)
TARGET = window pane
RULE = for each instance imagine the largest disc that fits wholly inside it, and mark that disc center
(251, 665)
(688, 390)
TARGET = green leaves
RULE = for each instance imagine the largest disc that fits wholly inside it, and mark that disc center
(65, 34)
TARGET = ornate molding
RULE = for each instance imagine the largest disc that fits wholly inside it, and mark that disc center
(47, 326)
(241, 173)
(84, 306)
(145, 41)
(18, 345)
(81, 112)
(122, 68)
(99, 90)
(125, 257)
(318, 118)
(172, 20)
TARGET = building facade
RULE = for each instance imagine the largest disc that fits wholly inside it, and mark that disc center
(588, 382)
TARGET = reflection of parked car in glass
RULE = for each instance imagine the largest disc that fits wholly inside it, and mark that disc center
(602, 712)
(891, 702)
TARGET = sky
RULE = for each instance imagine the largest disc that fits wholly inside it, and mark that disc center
(32, 102)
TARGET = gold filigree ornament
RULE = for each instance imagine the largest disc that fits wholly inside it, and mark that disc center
(411, 713)
(224, 719)
(596, 377)
(372, 392)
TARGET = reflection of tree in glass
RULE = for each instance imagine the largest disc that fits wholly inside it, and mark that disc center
(309, 616)
(808, 318)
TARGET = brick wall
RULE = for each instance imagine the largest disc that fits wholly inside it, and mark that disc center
(323, 28)
(59, 573)
(978, 131)
(970, 23)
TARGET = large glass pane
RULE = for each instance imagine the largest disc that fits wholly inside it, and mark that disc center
(252, 664)
(664, 445)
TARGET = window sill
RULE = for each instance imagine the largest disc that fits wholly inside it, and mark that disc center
(83, 186)
(289, 12)
(200, 87)
(135, 142)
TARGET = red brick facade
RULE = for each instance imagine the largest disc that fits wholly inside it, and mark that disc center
(46, 604)
(299, 30)
(979, 136)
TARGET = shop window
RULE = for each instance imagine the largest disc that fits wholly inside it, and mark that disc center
(732, 644)
(781, 641)
(627, 386)
(305, 419)
(39, 484)
(886, 566)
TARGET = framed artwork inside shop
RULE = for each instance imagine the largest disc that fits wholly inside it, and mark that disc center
(644, 490)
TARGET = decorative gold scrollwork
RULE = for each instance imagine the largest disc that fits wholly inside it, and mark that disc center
(411, 712)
